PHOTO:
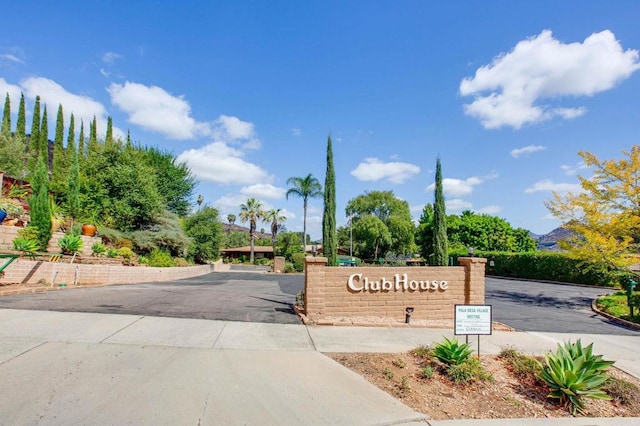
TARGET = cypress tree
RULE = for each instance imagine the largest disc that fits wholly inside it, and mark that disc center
(21, 134)
(43, 146)
(108, 140)
(329, 235)
(73, 178)
(60, 164)
(81, 149)
(34, 137)
(39, 204)
(6, 117)
(92, 147)
(440, 244)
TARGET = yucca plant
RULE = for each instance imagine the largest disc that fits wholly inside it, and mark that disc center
(574, 373)
(98, 249)
(70, 244)
(451, 352)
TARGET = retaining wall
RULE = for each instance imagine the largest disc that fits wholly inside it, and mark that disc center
(385, 292)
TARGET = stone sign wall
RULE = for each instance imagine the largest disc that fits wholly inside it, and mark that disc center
(386, 292)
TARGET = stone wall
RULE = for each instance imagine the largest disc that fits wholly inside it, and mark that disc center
(385, 292)
(8, 233)
(26, 271)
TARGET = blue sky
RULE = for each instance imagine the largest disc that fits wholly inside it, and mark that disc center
(505, 93)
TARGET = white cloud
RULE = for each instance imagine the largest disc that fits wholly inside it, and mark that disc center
(110, 57)
(14, 92)
(457, 205)
(153, 108)
(526, 150)
(8, 57)
(264, 190)
(572, 170)
(548, 185)
(83, 108)
(490, 210)
(219, 163)
(508, 90)
(372, 169)
(296, 132)
(229, 204)
(232, 130)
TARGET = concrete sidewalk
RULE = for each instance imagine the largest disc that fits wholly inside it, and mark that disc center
(81, 368)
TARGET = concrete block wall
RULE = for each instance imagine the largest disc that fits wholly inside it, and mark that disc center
(329, 293)
(8, 233)
(33, 272)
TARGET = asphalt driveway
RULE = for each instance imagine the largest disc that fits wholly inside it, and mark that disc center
(268, 298)
(231, 296)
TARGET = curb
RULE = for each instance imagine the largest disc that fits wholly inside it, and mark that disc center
(620, 321)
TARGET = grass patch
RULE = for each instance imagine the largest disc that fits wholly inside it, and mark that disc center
(616, 305)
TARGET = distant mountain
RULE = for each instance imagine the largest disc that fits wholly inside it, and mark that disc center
(237, 228)
(549, 242)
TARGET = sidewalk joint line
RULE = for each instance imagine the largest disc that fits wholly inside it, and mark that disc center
(311, 339)
(118, 331)
(25, 352)
(219, 334)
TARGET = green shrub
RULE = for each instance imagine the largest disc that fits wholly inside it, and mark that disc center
(112, 252)
(522, 366)
(29, 232)
(424, 352)
(98, 249)
(621, 391)
(426, 372)
(451, 352)
(467, 371)
(574, 373)
(298, 261)
(70, 244)
(388, 374)
(399, 363)
(126, 253)
(160, 258)
(182, 262)
(25, 245)
(288, 268)
(143, 260)
(13, 208)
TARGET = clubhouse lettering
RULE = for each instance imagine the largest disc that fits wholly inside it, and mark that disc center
(357, 283)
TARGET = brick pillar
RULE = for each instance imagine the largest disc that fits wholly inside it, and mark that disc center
(474, 268)
(314, 286)
(278, 264)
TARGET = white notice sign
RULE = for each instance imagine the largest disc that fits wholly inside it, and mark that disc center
(473, 319)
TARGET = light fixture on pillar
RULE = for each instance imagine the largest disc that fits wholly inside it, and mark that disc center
(470, 251)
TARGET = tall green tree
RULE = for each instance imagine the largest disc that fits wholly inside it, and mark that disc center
(82, 152)
(440, 243)
(72, 197)
(251, 212)
(34, 138)
(276, 219)
(6, 117)
(305, 188)
(93, 148)
(39, 204)
(43, 145)
(329, 235)
(21, 135)
(205, 230)
(60, 167)
(424, 233)
(108, 140)
(392, 213)
(10, 146)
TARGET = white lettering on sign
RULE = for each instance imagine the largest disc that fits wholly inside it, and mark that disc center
(357, 282)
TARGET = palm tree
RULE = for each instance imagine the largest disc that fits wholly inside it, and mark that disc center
(251, 212)
(231, 218)
(305, 188)
(276, 220)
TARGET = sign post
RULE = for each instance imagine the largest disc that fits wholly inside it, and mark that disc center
(473, 319)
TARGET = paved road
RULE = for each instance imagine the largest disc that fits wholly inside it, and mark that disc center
(536, 306)
(267, 298)
(232, 296)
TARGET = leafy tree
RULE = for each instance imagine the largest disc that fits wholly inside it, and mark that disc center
(174, 181)
(424, 233)
(21, 134)
(43, 145)
(440, 244)
(108, 140)
(305, 188)
(205, 230)
(329, 236)
(394, 214)
(164, 232)
(372, 234)
(605, 216)
(275, 218)
(236, 239)
(288, 244)
(39, 205)
(93, 147)
(82, 152)
(231, 218)
(251, 212)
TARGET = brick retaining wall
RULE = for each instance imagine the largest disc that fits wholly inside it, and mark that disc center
(329, 293)
(8, 233)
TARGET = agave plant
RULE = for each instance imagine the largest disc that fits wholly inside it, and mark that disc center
(25, 245)
(70, 244)
(451, 352)
(574, 373)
